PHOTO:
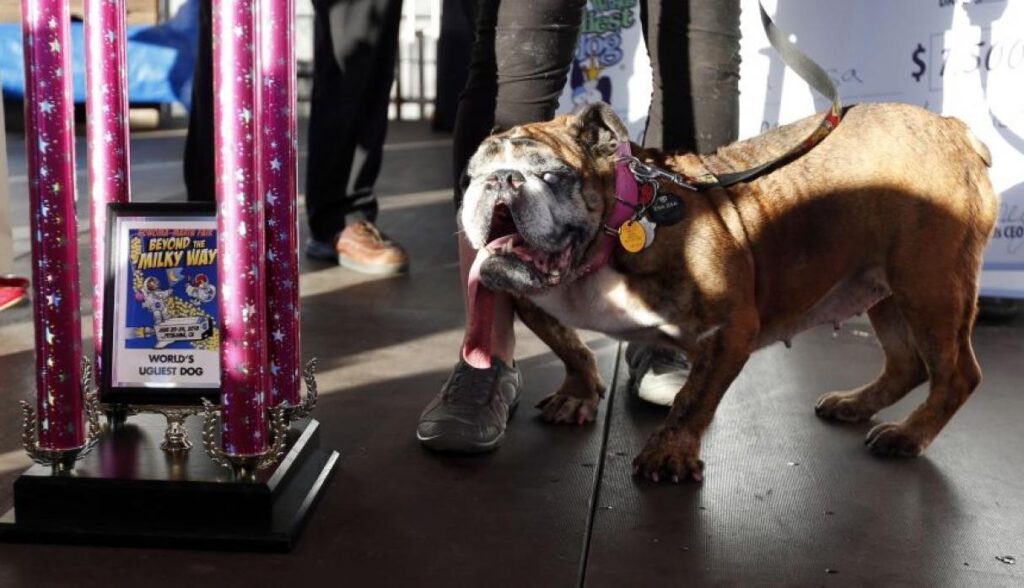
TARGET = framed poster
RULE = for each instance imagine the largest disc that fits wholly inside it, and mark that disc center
(161, 332)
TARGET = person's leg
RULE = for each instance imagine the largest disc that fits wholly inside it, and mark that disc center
(331, 145)
(507, 86)
(200, 183)
(458, 29)
(694, 107)
(355, 46)
(371, 122)
(695, 102)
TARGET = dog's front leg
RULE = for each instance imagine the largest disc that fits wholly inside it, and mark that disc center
(576, 401)
(673, 451)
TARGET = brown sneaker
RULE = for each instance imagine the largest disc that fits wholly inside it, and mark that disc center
(363, 248)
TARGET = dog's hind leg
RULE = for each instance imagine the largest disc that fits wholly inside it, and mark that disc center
(904, 370)
(941, 320)
(577, 399)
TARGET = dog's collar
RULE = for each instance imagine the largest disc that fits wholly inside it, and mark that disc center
(627, 194)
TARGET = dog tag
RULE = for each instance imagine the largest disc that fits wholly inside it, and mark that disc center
(666, 210)
(648, 231)
(632, 236)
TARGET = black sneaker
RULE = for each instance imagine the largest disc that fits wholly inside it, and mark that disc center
(471, 412)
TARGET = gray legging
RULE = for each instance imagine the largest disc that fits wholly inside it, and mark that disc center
(523, 52)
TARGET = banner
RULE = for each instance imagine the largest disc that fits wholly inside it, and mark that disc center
(611, 64)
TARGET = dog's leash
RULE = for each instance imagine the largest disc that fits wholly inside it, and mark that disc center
(816, 77)
(640, 206)
(810, 72)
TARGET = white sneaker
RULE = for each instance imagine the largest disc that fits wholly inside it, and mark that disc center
(656, 374)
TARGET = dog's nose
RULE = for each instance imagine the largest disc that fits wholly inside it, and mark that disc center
(505, 179)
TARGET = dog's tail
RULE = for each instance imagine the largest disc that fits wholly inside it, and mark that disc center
(980, 148)
(985, 208)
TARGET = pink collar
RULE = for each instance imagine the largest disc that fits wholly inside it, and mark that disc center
(627, 193)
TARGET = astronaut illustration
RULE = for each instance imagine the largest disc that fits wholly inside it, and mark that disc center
(155, 300)
(200, 290)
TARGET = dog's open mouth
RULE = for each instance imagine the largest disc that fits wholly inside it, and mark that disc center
(504, 240)
(512, 262)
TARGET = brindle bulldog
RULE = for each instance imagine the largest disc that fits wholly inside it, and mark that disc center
(888, 214)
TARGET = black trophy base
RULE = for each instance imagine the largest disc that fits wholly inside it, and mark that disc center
(129, 492)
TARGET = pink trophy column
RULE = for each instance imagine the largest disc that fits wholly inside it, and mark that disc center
(277, 168)
(240, 230)
(107, 105)
(49, 113)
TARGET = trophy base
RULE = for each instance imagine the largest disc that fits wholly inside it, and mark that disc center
(129, 492)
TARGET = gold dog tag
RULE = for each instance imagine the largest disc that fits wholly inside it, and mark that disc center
(632, 236)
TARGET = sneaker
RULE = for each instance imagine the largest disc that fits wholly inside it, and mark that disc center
(472, 410)
(363, 248)
(12, 291)
(656, 374)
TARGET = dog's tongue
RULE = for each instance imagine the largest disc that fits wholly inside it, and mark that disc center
(477, 346)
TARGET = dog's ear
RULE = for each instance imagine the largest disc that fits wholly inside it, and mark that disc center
(598, 128)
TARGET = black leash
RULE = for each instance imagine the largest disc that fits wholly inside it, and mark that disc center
(810, 72)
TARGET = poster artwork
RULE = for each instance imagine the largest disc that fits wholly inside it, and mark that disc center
(166, 328)
(611, 64)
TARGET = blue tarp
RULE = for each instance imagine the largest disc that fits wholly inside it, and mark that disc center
(160, 59)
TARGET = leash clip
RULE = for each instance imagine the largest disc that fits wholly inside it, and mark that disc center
(650, 173)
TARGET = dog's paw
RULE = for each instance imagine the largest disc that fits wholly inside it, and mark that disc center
(671, 457)
(843, 406)
(894, 439)
(561, 408)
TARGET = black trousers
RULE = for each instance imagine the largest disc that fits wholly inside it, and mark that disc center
(200, 181)
(355, 48)
(524, 50)
(694, 46)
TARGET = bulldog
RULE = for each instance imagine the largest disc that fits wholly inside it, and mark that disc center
(889, 214)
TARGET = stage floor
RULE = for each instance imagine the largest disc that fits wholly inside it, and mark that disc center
(788, 499)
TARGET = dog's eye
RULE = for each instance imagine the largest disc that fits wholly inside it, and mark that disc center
(551, 178)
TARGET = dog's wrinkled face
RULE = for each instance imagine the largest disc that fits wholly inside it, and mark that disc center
(536, 196)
